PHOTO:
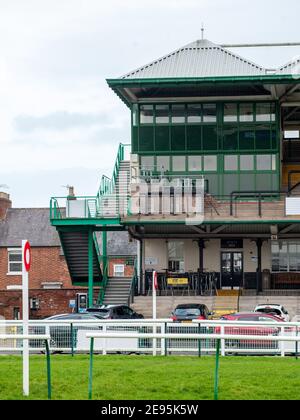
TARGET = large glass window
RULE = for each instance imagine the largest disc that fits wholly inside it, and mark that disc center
(15, 261)
(194, 114)
(176, 256)
(162, 114)
(230, 113)
(286, 256)
(146, 114)
(178, 114)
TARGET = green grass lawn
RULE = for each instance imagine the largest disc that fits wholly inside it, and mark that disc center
(160, 378)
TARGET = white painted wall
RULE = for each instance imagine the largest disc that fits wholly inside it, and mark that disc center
(157, 249)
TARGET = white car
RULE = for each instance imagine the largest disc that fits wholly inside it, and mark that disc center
(274, 309)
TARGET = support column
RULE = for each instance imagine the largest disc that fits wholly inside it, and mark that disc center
(91, 269)
(104, 255)
(201, 245)
(259, 243)
(139, 265)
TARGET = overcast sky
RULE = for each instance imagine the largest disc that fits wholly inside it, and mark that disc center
(59, 121)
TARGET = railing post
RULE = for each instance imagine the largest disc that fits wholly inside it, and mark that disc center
(216, 391)
(48, 370)
(223, 350)
(282, 343)
(104, 350)
(90, 393)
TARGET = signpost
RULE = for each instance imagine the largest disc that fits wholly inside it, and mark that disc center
(26, 259)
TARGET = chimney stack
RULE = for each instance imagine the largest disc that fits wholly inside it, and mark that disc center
(5, 204)
(71, 194)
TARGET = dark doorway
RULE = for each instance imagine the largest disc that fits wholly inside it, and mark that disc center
(232, 269)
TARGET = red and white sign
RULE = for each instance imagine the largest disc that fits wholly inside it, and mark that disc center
(27, 256)
(155, 282)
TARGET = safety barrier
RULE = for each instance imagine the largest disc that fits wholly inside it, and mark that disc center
(164, 336)
(70, 337)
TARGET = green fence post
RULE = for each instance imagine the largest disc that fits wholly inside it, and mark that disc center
(91, 369)
(48, 370)
(216, 393)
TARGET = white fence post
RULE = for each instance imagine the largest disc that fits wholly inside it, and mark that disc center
(223, 351)
(104, 351)
(282, 343)
(163, 340)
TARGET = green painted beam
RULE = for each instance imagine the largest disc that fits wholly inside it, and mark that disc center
(91, 269)
(104, 255)
(85, 222)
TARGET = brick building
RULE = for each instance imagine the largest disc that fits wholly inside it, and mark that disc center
(51, 289)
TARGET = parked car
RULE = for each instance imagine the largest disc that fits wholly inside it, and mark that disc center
(188, 312)
(273, 309)
(115, 312)
(252, 330)
(61, 337)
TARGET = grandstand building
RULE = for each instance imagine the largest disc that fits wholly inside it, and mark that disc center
(209, 184)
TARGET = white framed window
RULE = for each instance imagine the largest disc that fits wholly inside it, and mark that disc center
(14, 261)
(210, 163)
(119, 270)
(285, 256)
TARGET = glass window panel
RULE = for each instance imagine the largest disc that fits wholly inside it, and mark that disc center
(179, 163)
(263, 137)
(146, 114)
(247, 138)
(147, 163)
(163, 163)
(246, 112)
(230, 113)
(247, 182)
(264, 162)
(231, 183)
(178, 114)
(15, 267)
(195, 163)
(146, 138)
(210, 163)
(194, 136)
(263, 112)
(273, 112)
(210, 137)
(194, 113)
(231, 163)
(135, 113)
(162, 114)
(15, 256)
(274, 162)
(230, 138)
(247, 162)
(178, 138)
(209, 113)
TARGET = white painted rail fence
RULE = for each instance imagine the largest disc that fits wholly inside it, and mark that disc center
(66, 336)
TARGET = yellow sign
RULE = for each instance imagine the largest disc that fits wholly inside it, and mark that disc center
(178, 282)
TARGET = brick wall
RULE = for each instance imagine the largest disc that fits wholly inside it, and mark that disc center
(129, 269)
(51, 302)
(47, 266)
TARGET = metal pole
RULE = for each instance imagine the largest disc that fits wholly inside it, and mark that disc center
(91, 369)
(25, 305)
(154, 285)
(216, 392)
(48, 370)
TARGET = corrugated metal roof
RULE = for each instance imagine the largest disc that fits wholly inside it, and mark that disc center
(199, 59)
(292, 67)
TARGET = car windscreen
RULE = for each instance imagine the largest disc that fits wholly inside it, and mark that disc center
(188, 312)
(269, 311)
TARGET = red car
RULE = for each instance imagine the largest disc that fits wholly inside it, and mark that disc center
(251, 330)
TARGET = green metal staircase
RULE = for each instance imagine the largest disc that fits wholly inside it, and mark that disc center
(75, 245)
